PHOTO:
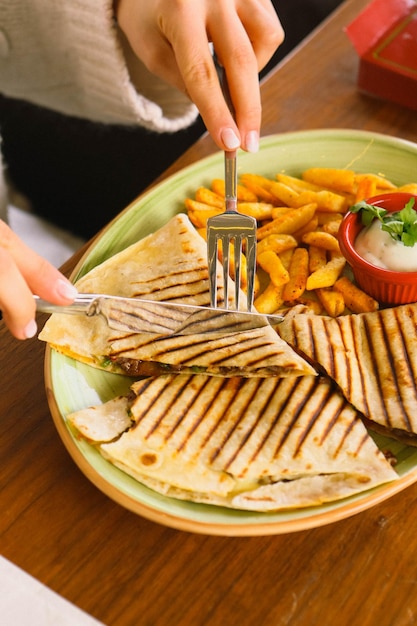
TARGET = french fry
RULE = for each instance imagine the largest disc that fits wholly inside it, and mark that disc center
(286, 257)
(298, 184)
(277, 211)
(270, 300)
(355, 299)
(326, 200)
(260, 186)
(288, 223)
(307, 228)
(317, 258)
(309, 299)
(380, 181)
(327, 275)
(324, 217)
(366, 188)
(331, 178)
(199, 213)
(284, 193)
(272, 264)
(334, 254)
(243, 194)
(332, 301)
(259, 210)
(298, 272)
(409, 188)
(277, 243)
(332, 227)
(207, 196)
(256, 179)
(321, 240)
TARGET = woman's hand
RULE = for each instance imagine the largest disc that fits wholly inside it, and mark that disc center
(171, 37)
(23, 273)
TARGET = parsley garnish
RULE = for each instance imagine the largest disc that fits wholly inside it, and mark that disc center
(401, 225)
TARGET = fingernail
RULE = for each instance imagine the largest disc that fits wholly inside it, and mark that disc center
(230, 139)
(252, 141)
(66, 289)
(30, 330)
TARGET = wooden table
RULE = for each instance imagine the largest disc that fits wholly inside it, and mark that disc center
(125, 570)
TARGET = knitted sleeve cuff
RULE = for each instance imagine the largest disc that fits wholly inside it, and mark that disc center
(71, 57)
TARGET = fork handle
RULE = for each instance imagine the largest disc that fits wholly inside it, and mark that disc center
(230, 166)
(230, 176)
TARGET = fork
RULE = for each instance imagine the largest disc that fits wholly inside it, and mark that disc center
(231, 227)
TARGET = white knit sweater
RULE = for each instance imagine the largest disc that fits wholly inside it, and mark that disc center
(69, 55)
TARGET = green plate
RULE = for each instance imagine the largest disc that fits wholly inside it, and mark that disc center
(72, 385)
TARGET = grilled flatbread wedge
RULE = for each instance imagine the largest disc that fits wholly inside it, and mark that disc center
(373, 359)
(169, 265)
(261, 444)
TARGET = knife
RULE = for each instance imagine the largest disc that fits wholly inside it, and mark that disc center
(160, 317)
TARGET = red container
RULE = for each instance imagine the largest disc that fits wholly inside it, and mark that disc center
(385, 37)
(386, 286)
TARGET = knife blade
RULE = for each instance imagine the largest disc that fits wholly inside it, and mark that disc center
(159, 317)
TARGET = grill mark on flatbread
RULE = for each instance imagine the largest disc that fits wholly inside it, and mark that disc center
(295, 414)
(245, 347)
(200, 418)
(227, 431)
(140, 317)
(238, 418)
(403, 367)
(290, 386)
(250, 343)
(298, 392)
(140, 388)
(181, 284)
(351, 385)
(177, 402)
(184, 273)
(393, 376)
(186, 406)
(178, 292)
(167, 345)
(316, 340)
(373, 360)
(313, 417)
(347, 363)
(378, 361)
(346, 434)
(132, 318)
(411, 365)
(222, 416)
(155, 425)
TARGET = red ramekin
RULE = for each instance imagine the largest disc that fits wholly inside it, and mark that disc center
(386, 286)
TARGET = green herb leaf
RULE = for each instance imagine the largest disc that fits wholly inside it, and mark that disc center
(369, 212)
(401, 225)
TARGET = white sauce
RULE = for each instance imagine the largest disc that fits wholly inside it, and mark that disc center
(378, 247)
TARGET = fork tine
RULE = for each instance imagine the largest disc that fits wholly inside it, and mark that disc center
(237, 260)
(212, 266)
(226, 265)
(251, 266)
